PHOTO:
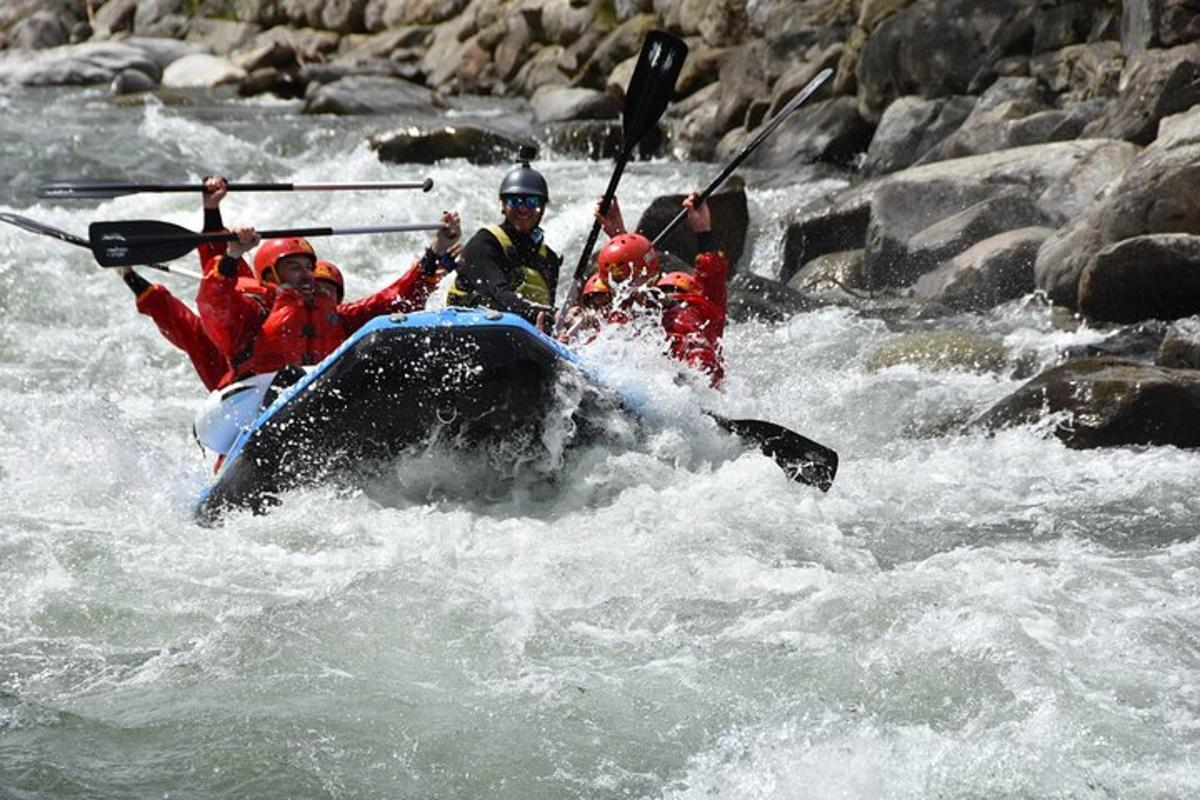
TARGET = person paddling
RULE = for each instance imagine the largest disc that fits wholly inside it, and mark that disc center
(693, 306)
(509, 266)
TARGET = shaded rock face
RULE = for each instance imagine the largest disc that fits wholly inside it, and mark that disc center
(1180, 348)
(994, 271)
(832, 132)
(367, 95)
(1145, 277)
(753, 297)
(1158, 23)
(1107, 402)
(910, 128)
(841, 270)
(1157, 84)
(730, 217)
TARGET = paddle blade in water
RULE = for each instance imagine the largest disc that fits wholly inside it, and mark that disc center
(801, 458)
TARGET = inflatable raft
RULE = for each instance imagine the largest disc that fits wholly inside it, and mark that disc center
(467, 376)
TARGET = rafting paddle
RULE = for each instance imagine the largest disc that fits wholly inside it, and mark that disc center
(650, 89)
(33, 226)
(809, 89)
(133, 242)
(802, 459)
(104, 190)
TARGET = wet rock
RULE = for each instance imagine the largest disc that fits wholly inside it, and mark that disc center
(910, 128)
(754, 297)
(1107, 402)
(367, 94)
(942, 350)
(1140, 342)
(1157, 84)
(132, 81)
(833, 271)
(1007, 210)
(730, 217)
(594, 139)
(559, 103)
(1158, 23)
(428, 145)
(1180, 348)
(825, 226)
(994, 271)
(1144, 277)
(72, 65)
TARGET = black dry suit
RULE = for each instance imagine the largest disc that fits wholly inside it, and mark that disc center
(507, 271)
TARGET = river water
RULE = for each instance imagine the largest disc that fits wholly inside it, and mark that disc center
(960, 617)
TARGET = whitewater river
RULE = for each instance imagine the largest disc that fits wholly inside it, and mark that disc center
(960, 617)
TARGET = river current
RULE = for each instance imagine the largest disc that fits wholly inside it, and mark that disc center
(961, 616)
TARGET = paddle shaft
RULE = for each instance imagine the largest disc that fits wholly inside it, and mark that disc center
(201, 238)
(761, 137)
(101, 190)
(585, 256)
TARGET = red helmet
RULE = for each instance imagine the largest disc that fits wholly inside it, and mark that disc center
(270, 251)
(328, 271)
(679, 283)
(629, 256)
(595, 286)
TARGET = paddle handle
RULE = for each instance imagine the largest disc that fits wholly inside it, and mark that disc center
(585, 256)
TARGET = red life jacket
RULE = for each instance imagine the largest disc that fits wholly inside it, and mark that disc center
(298, 329)
(694, 326)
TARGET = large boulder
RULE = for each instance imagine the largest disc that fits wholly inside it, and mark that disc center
(222, 35)
(910, 128)
(1145, 277)
(991, 272)
(893, 258)
(831, 131)
(201, 70)
(367, 94)
(1062, 176)
(753, 297)
(1155, 194)
(1180, 348)
(559, 103)
(428, 145)
(743, 81)
(38, 31)
(730, 215)
(72, 65)
(1106, 402)
(1157, 84)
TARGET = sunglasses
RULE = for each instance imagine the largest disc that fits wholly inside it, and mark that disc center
(527, 200)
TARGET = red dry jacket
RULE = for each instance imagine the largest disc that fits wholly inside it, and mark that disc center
(695, 322)
(180, 326)
(263, 332)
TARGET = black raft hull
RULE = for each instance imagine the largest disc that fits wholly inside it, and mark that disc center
(466, 377)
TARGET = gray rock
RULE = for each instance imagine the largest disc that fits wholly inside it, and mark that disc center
(37, 32)
(831, 131)
(832, 271)
(221, 35)
(81, 64)
(114, 16)
(891, 260)
(594, 139)
(1158, 23)
(559, 103)
(1180, 348)
(367, 94)
(201, 70)
(563, 21)
(1145, 277)
(700, 69)
(343, 16)
(428, 145)
(621, 43)
(1106, 402)
(730, 217)
(1157, 84)
(151, 12)
(910, 128)
(544, 69)
(991, 272)
(1082, 71)
(164, 51)
(132, 81)
(743, 80)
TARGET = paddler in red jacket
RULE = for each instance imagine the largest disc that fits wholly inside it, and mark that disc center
(291, 321)
(693, 306)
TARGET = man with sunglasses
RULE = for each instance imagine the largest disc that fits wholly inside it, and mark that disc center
(509, 267)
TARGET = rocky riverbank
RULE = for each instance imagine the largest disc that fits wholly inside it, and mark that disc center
(995, 150)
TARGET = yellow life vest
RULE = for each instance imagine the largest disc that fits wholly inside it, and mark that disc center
(527, 281)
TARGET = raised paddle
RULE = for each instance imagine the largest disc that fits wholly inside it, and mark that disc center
(801, 459)
(104, 190)
(33, 226)
(809, 89)
(650, 89)
(133, 242)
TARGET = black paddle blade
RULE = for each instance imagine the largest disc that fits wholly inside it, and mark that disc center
(129, 243)
(85, 190)
(802, 459)
(652, 85)
(33, 226)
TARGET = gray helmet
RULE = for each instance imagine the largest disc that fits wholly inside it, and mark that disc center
(524, 179)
